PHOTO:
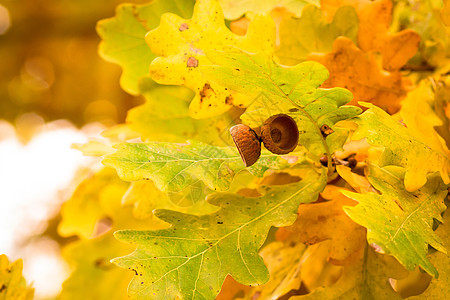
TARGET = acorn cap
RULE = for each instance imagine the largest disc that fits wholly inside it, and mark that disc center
(280, 134)
(247, 142)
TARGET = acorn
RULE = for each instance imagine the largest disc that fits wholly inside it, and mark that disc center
(280, 134)
(247, 142)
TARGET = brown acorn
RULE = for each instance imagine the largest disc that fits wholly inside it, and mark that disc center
(247, 142)
(280, 134)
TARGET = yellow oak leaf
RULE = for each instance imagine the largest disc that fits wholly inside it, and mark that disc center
(284, 262)
(322, 221)
(368, 278)
(374, 21)
(181, 45)
(357, 182)
(358, 72)
(12, 283)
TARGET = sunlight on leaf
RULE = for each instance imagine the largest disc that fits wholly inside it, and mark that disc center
(181, 45)
(172, 167)
(380, 129)
(400, 222)
(192, 258)
(124, 37)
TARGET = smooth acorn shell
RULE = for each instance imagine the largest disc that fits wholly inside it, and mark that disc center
(280, 134)
(247, 142)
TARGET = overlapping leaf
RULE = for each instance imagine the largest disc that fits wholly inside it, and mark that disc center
(291, 90)
(398, 221)
(124, 37)
(373, 34)
(172, 167)
(284, 262)
(359, 72)
(165, 117)
(182, 43)
(419, 159)
(233, 9)
(440, 286)
(322, 221)
(367, 279)
(192, 258)
(12, 283)
(312, 33)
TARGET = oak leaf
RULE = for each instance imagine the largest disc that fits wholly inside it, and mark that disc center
(192, 258)
(359, 72)
(181, 45)
(380, 129)
(12, 283)
(398, 221)
(123, 37)
(312, 33)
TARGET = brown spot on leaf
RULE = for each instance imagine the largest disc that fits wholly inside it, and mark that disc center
(326, 130)
(2, 288)
(183, 27)
(206, 92)
(192, 62)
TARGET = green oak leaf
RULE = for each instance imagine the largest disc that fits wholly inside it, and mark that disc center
(313, 33)
(123, 37)
(290, 90)
(12, 283)
(191, 259)
(398, 221)
(402, 147)
(233, 9)
(165, 117)
(439, 286)
(173, 166)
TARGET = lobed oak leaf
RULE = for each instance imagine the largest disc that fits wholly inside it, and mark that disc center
(80, 214)
(12, 283)
(181, 45)
(358, 72)
(359, 183)
(380, 129)
(123, 37)
(284, 261)
(173, 166)
(312, 33)
(289, 90)
(398, 221)
(439, 286)
(322, 221)
(368, 278)
(374, 20)
(192, 258)
(165, 117)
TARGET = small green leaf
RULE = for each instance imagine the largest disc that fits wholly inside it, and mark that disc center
(312, 33)
(172, 166)
(191, 259)
(123, 37)
(402, 147)
(398, 221)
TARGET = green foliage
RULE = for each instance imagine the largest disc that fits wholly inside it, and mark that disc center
(192, 258)
(187, 233)
(123, 37)
(400, 222)
(419, 159)
(174, 166)
(289, 90)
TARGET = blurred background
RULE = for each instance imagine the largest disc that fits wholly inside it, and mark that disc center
(55, 90)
